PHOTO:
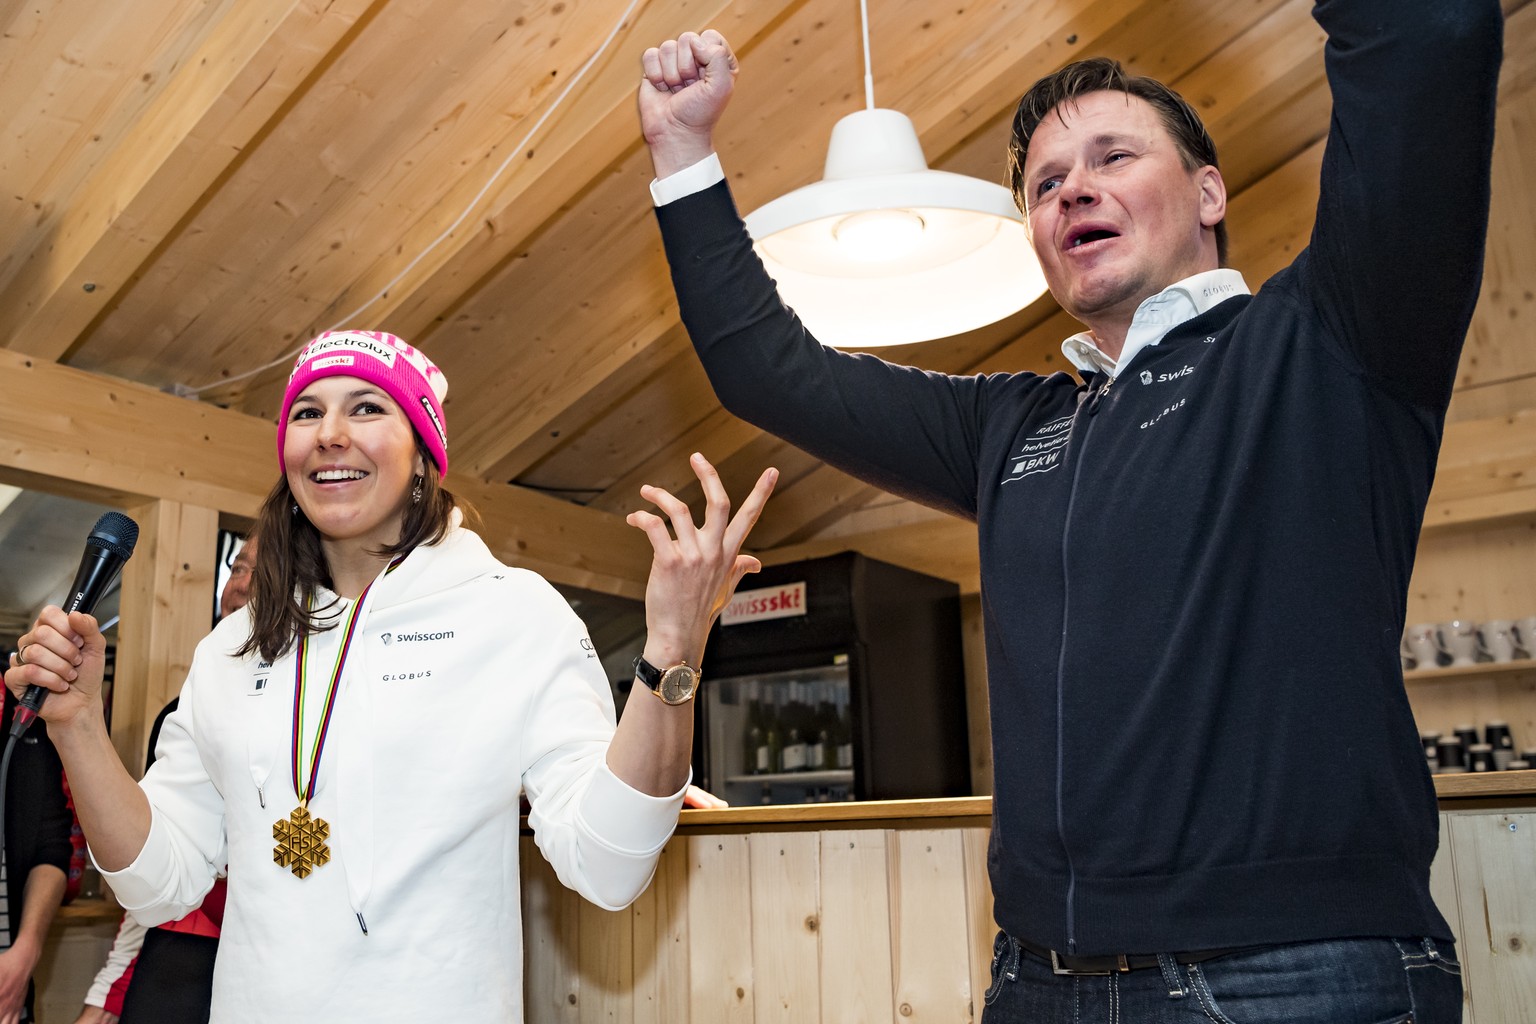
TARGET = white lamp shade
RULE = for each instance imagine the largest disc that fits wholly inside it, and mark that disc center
(884, 251)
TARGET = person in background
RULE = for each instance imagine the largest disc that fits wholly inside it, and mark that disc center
(1210, 799)
(34, 863)
(354, 741)
(171, 979)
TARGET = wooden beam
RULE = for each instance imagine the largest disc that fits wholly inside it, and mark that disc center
(254, 60)
(166, 607)
(131, 442)
(113, 440)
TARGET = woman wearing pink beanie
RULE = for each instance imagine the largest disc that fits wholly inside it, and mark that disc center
(354, 742)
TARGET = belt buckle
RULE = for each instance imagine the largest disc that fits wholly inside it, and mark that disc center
(1121, 964)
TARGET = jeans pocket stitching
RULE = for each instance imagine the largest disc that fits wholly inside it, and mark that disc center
(1203, 993)
(999, 946)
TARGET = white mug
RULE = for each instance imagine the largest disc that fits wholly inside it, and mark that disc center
(1496, 640)
(1458, 640)
(1525, 635)
(1419, 645)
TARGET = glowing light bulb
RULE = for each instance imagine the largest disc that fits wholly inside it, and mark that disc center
(879, 236)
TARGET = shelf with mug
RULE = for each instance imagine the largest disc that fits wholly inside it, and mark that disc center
(1476, 670)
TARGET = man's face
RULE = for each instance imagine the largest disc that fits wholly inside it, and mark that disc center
(237, 589)
(1114, 215)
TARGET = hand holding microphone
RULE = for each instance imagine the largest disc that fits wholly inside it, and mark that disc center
(65, 647)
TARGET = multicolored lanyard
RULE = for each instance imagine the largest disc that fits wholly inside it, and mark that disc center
(301, 839)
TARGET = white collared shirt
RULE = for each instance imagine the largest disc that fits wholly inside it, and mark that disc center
(1155, 317)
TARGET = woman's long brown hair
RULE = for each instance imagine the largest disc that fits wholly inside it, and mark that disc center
(291, 566)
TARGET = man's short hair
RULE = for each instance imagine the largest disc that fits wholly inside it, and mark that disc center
(1099, 74)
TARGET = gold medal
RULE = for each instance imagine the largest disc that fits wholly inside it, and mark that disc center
(301, 842)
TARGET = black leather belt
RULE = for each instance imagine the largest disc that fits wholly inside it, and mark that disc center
(1064, 963)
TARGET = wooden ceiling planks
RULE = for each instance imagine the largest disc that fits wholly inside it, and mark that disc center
(412, 104)
(593, 128)
(75, 76)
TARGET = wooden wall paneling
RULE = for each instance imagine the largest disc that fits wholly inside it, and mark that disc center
(720, 929)
(1442, 888)
(215, 101)
(1495, 859)
(551, 951)
(1442, 879)
(663, 943)
(1497, 348)
(981, 927)
(931, 953)
(166, 607)
(606, 951)
(1467, 575)
(1486, 472)
(786, 922)
(856, 940)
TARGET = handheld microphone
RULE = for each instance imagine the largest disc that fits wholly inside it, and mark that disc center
(109, 546)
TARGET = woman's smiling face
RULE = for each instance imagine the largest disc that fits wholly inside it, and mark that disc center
(351, 460)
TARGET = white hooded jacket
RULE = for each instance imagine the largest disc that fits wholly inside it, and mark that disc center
(467, 682)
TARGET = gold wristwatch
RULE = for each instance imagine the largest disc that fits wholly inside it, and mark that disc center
(676, 685)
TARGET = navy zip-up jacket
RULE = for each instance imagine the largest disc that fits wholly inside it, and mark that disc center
(1193, 580)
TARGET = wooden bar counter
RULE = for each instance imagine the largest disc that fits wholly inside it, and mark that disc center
(882, 911)
(876, 911)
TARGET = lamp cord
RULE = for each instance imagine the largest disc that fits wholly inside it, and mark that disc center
(869, 77)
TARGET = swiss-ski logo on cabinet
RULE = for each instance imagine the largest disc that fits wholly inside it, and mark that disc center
(765, 603)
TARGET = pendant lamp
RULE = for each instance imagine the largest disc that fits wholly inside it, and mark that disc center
(885, 251)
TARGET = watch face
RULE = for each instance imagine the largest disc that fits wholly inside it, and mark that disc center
(678, 683)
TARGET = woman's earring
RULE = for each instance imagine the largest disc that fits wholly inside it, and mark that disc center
(293, 511)
(416, 492)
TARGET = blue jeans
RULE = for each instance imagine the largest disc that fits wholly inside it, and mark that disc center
(1344, 981)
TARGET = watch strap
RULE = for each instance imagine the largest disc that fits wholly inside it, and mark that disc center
(647, 673)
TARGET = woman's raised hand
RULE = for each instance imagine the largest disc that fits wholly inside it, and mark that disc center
(695, 568)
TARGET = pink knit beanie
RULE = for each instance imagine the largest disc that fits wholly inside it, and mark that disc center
(402, 372)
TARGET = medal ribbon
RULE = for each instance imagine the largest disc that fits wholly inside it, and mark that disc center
(301, 683)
